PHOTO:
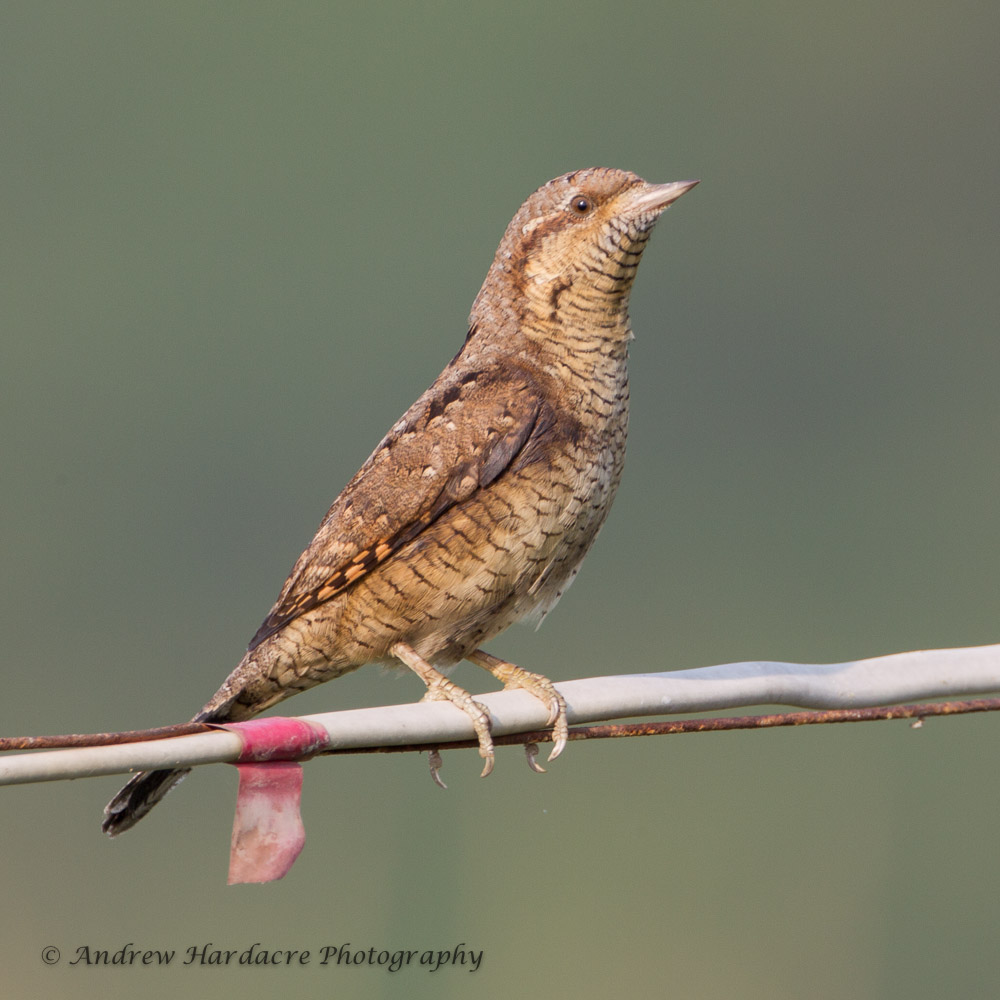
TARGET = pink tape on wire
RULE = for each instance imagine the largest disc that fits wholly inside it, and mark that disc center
(268, 834)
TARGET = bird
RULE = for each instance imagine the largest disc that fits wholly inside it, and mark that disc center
(477, 508)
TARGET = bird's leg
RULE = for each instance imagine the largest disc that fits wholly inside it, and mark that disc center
(439, 688)
(512, 676)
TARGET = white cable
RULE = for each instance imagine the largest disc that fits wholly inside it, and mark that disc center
(882, 680)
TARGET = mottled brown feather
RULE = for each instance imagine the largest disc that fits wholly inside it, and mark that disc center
(477, 426)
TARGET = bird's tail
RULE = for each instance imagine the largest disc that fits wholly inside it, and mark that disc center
(245, 693)
(137, 797)
(143, 790)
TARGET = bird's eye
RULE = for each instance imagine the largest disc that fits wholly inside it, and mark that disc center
(580, 204)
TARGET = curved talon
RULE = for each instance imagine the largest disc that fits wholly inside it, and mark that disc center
(434, 759)
(560, 737)
(488, 765)
(531, 752)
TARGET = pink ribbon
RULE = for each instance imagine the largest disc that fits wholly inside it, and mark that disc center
(268, 834)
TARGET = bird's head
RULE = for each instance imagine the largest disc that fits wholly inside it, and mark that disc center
(571, 252)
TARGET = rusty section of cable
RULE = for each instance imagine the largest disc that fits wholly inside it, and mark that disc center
(101, 739)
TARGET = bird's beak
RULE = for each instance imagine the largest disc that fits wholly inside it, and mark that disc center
(656, 197)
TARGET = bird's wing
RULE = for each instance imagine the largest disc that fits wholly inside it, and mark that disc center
(458, 437)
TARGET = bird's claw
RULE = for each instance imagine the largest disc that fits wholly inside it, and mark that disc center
(560, 735)
(439, 688)
(540, 687)
(434, 759)
(531, 752)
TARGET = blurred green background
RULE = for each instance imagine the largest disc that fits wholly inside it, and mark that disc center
(240, 238)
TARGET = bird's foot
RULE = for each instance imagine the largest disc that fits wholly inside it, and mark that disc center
(439, 688)
(512, 676)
